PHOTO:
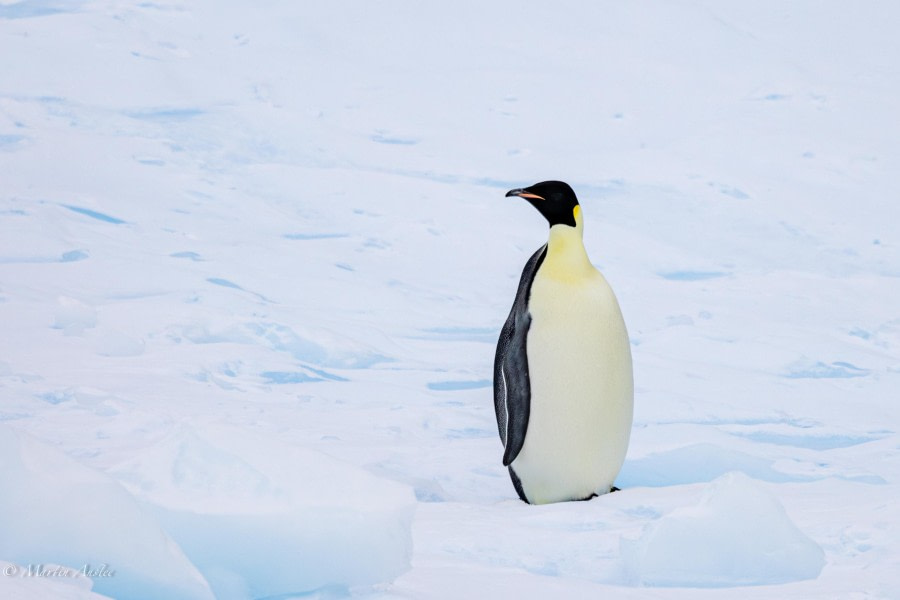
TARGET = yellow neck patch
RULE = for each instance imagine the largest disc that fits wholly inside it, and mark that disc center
(566, 258)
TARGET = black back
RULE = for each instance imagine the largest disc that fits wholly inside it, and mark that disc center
(512, 388)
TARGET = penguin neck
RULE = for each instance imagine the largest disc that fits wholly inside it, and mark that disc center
(566, 257)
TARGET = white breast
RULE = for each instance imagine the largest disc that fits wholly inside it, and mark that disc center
(579, 363)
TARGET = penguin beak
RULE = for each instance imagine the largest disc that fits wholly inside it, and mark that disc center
(523, 193)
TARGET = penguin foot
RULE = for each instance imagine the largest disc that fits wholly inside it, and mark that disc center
(592, 496)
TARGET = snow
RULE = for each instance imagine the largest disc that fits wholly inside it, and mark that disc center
(694, 546)
(59, 512)
(336, 524)
(253, 264)
(60, 583)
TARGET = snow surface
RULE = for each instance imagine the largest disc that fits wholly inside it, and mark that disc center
(254, 260)
(772, 549)
(57, 511)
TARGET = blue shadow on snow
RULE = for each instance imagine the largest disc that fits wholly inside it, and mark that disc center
(94, 214)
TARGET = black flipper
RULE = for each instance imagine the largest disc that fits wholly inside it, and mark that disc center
(517, 483)
(512, 389)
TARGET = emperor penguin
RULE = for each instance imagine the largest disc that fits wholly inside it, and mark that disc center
(563, 383)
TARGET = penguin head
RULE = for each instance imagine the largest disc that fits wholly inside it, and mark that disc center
(553, 199)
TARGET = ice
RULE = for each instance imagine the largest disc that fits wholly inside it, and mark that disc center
(74, 316)
(316, 345)
(25, 9)
(818, 370)
(304, 376)
(263, 519)
(697, 463)
(692, 275)
(55, 511)
(94, 214)
(287, 222)
(451, 386)
(737, 534)
(50, 582)
(118, 343)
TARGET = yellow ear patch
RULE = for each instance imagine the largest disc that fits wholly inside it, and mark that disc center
(576, 212)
